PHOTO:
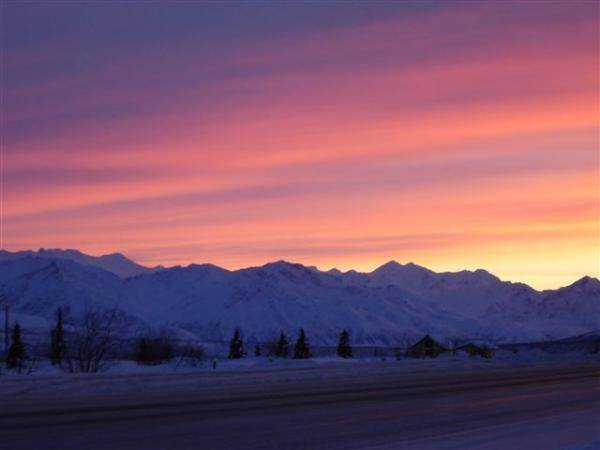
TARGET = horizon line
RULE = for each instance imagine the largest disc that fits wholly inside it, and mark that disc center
(290, 262)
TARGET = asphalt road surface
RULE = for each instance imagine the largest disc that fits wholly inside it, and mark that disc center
(518, 408)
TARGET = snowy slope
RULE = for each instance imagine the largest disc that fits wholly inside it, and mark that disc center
(35, 287)
(115, 262)
(392, 305)
(264, 300)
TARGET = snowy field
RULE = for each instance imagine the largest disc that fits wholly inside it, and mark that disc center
(129, 376)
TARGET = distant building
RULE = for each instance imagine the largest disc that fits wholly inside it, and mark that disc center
(477, 350)
(426, 348)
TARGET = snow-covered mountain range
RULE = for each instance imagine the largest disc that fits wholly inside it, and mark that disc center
(115, 262)
(393, 305)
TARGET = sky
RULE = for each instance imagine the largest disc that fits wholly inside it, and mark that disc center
(456, 135)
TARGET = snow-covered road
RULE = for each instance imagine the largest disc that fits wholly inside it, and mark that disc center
(377, 406)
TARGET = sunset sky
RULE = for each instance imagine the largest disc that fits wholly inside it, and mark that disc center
(457, 135)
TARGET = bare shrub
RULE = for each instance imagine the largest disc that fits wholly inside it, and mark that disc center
(189, 354)
(92, 342)
(154, 350)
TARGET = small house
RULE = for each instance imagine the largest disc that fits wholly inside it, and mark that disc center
(427, 347)
(477, 350)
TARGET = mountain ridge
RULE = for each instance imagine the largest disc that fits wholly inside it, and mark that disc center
(392, 304)
(134, 268)
(116, 263)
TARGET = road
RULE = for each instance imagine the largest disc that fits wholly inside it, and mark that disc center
(533, 408)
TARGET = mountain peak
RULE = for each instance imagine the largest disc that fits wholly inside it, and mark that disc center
(116, 263)
(59, 251)
(587, 284)
(115, 256)
(281, 264)
(390, 265)
(394, 266)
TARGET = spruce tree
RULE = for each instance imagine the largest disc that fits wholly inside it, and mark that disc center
(57, 345)
(16, 352)
(344, 350)
(236, 346)
(301, 349)
(143, 355)
(283, 346)
(257, 350)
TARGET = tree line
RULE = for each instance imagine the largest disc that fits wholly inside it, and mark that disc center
(90, 345)
(88, 349)
(282, 348)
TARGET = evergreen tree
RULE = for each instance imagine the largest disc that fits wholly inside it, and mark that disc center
(236, 346)
(344, 350)
(58, 347)
(142, 351)
(257, 350)
(283, 346)
(301, 349)
(16, 352)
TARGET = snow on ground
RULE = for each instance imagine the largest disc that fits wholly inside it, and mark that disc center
(503, 358)
(128, 377)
